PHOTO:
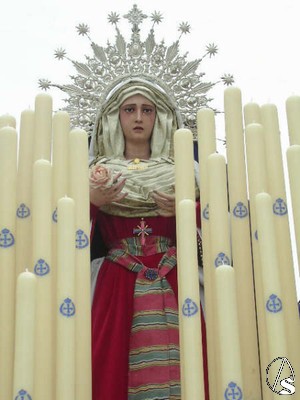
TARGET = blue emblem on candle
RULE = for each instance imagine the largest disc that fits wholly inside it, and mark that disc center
(67, 308)
(23, 211)
(233, 392)
(41, 268)
(240, 210)
(274, 304)
(222, 259)
(280, 207)
(6, 238)
(54, 215)
(189, 308)
(23, 395)
(205, 212)
(82, 240)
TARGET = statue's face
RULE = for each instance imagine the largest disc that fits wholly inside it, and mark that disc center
(137, 118)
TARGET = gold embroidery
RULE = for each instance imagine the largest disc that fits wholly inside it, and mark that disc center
(137, 165)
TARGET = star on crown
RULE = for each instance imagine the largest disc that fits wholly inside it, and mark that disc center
(148, 59)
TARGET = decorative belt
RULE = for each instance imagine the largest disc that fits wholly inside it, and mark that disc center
(135, 246)
(154, 362)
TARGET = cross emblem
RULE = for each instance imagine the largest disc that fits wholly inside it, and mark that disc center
(222, 259)
(280, 207)
(135, 17)
(233, 392)
(274, 304)
(23, 211)
(6, 238)
(81, 240)
(23, 395)
(142, 230)
(240, 210)
(189, 308)
(41, 268)
(67, 308)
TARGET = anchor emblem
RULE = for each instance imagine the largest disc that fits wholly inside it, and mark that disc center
(81, 240)
(233, 392)
(67, 308)
(274, 304)
(222, 259)
(240, 210)
(23, 211)
(6, 238)
(23, 395)
(41, 268)
(205, 212)
(189, 308)
(280, 207)
(54, 215)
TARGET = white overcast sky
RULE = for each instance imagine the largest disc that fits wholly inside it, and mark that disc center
(258, 43)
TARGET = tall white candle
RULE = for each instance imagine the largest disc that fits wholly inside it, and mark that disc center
(189, 303)
(257, 182)
(235, 147)
(184, 189)
(25, 335)
(42, 267)
(43, 127)
(79, 191)
(60, 154)
(24, 191)
(60, 176)
(293, 118)
(184, 161)
(241, 239)
(220, 252)
(218, 210)
(272, 285)
(206, 145)
(293, 162)
(8, 175)
(65, 300)
(282, 229)
(228, 333)
(206, 129)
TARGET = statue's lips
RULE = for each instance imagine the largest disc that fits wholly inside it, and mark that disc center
(138, 129)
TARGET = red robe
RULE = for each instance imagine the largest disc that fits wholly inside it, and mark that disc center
(113, 304)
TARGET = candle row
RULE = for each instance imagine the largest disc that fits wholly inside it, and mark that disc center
(28, 302)
(52, 163)
(245, 227)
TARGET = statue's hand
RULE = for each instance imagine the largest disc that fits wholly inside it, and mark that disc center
(108, 194)
(165, 203)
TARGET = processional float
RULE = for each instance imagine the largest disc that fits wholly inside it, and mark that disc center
(251, 311)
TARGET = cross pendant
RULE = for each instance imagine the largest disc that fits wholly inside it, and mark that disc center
(142, 230)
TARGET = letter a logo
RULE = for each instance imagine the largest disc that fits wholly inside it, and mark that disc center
(276, 370)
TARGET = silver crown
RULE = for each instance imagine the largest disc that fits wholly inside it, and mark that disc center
(157, 63)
